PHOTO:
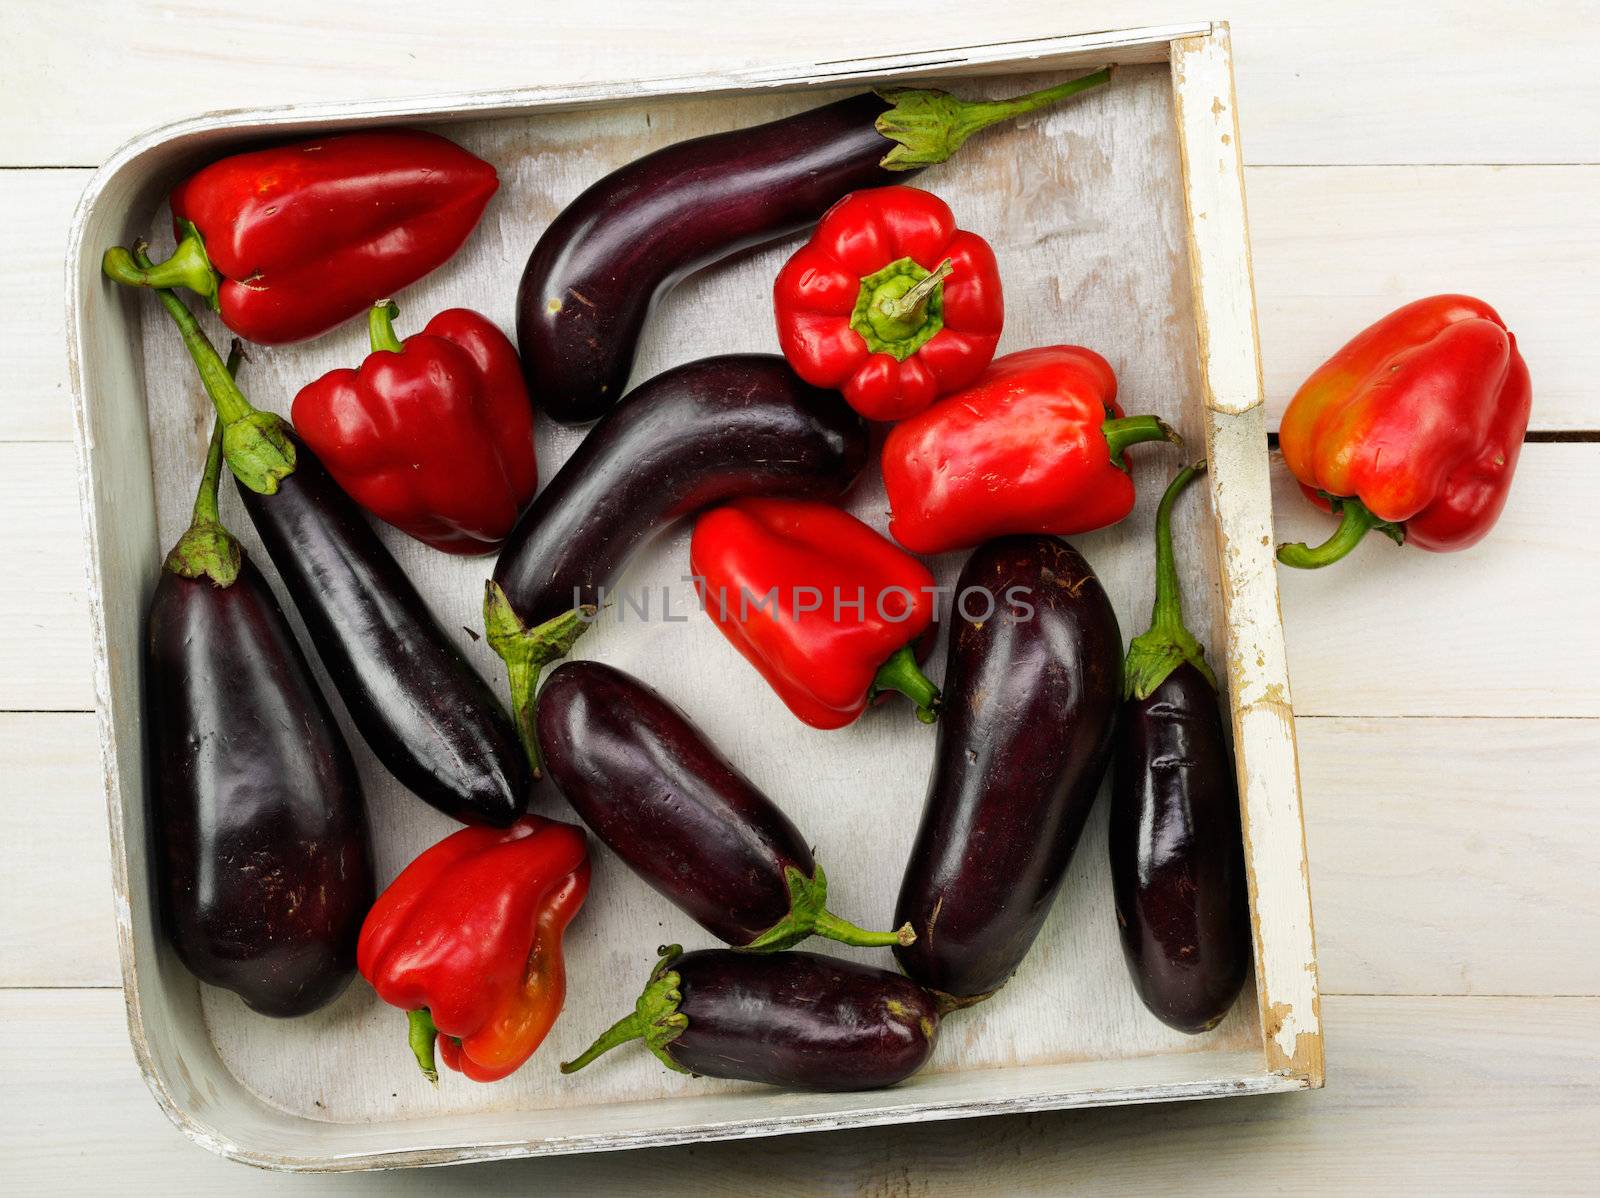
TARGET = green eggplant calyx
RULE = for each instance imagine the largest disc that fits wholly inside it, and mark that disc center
(928, 125)
(655, 1018)
(809, 916)
(1168, 644)
(526, 651)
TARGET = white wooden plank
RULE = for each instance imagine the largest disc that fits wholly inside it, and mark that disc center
(44, 615)
(1318, 83)
(1426, 1094)
(1336, 249)
(1504, 628)
(1453, 856)
(56, 889)
(36, 404)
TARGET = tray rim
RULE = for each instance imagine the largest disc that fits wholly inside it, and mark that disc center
(1290, 1006)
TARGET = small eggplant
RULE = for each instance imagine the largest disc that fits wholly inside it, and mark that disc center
(601, 266)
(1030, 703)
(1177, 865)
(790, 1019)
(697, 435)
(421, 707)
(649, 784)
(262, 861)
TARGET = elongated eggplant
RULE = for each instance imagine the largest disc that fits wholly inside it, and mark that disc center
(699, 434)
(1030, 703)
(262, 861)
(424, 711)
(649, 784)
(603, 264)
(1177, 863)
(789, 1019)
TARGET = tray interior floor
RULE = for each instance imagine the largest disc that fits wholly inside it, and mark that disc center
(1084, 209)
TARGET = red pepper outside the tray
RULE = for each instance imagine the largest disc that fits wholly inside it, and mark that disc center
(467, 941)
(1034, 446)
(889, 302)
(289, 241)
(433, 434)
(1413, 428)
(824, 607)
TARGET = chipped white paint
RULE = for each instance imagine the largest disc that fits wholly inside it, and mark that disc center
(1095, 214)
(1263, 717)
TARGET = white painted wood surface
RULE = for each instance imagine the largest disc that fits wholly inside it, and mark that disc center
(1450, 856)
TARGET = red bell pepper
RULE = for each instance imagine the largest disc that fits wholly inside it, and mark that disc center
(1413, 428)
(467, 941)
(433, 434)
(289, 241)
(889, 302)
(1034, 446)
(827, 610)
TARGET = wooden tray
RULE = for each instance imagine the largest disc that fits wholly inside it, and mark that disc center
(1119, 223)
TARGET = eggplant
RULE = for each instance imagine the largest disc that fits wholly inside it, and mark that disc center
(1030, 704)
(427, 715)
(648, 783)
(421, 707)
(604, 263)
(700, 434)
(1177, 856)
(790, 1019)
(263, 867)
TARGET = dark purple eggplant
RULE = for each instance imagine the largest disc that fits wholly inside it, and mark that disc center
(649, 784)
(427, 715)
(699, 434)
(790, 1019)
(608, 258)
(1030, 704)
(1177, 857)
(263, 870)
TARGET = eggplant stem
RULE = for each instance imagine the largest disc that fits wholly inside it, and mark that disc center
(526, 651)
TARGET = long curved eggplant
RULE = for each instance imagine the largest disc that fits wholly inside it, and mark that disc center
(699, 434)
(1030, 704)
(1177, 865)
(789, 1019)
(649, 784)
(608, 258)
(432, 720)
(263, 866)
(421, 707)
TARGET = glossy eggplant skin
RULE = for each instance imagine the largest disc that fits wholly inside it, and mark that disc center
(801, 1019)
(424, 711)
(649, 785)
(262, 860)
(600, 268)
(1177, 865)
(1030, 705)
(702, 433)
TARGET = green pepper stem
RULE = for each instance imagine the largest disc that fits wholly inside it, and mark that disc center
(380, 326)
(526, 651)
(1123, 431)
(910, 305)
(421, 1035)
(1356, 520)
(901, 673)
(1167, 644)
(255, 444)
(928, 125)
(188, 266)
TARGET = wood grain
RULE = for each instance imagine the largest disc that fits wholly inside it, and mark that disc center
(33, 340)
(1429, 1095)
(1319, 83)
